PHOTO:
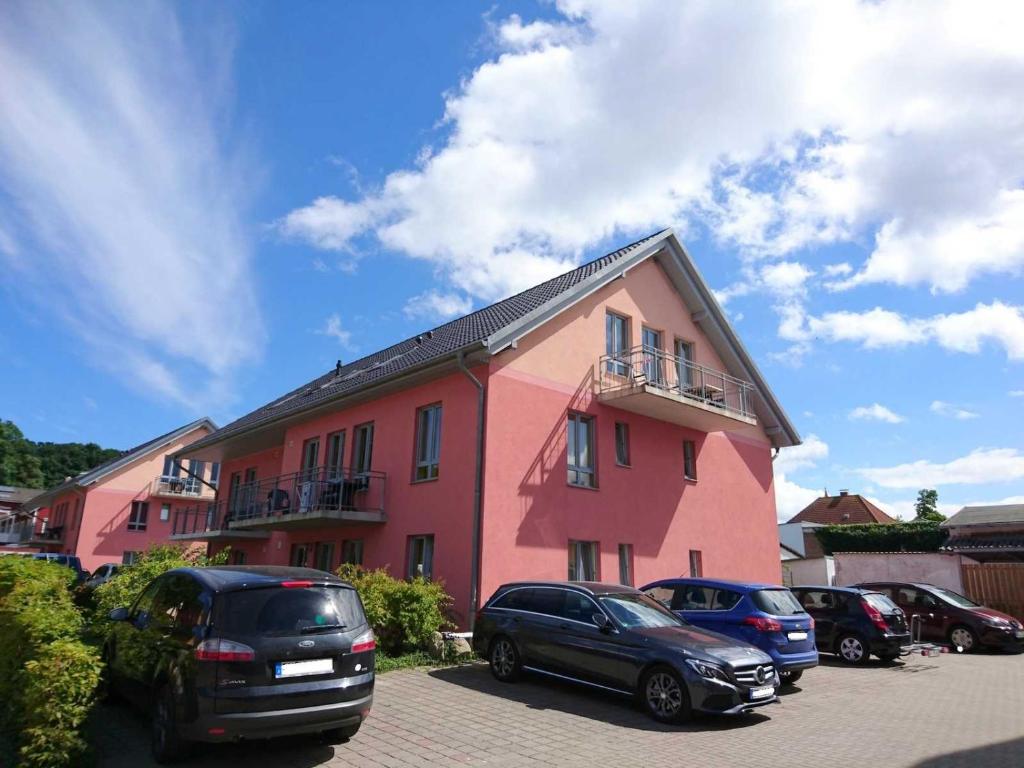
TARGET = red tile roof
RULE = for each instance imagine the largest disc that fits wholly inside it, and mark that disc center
(845, 509)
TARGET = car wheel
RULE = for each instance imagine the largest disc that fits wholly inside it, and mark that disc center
(340, 735)
(963, 639)
(664, 696)
(504, 659)
(790, 678)
(166, 745)
(853, 650)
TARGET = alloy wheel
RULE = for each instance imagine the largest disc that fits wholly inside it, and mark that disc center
(851, 649)
(963, 638)
(664, 696)
(503, 658)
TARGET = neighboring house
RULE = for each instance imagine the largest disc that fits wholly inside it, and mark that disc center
(606, 424)
(122, 507)
(845, 509)
(12, 521)
(988, 534)
(804, 562)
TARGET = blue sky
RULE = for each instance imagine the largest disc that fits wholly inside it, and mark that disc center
(201, 207)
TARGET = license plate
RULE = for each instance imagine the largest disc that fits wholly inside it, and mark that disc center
(303, 668)
(762, 693)
(794, 636)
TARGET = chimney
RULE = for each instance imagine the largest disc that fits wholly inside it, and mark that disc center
(844, 491)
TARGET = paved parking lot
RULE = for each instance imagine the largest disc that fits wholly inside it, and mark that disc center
(922, 712)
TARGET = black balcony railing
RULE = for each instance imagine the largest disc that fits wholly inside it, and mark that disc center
(210, 517)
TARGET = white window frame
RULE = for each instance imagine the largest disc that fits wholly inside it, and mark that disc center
(582, 467)
(362, 448)
(616, 343)
(584, 560)
(690, 461)
(165, 513)
(428, 443)
(626, 564)
(138, 517)
(420, 558)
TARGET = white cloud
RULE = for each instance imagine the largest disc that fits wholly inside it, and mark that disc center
(983, 465)
(876, 412)
(812, 450)
(838, 270)
(433, 305)
(786, 278)
(790, 497)
(943, 408)
(112, 151)
(1016, 393)
(332, 328)
(864, 119)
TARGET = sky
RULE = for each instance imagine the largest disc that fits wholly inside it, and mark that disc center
(203, 206)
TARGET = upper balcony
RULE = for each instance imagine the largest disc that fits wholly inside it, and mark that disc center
(670, 388)
(310, 498)
(181, 488)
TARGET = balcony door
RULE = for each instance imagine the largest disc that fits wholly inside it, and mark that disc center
(653, 355)
(684, 364)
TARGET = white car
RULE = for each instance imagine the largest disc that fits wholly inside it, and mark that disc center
(102, 575)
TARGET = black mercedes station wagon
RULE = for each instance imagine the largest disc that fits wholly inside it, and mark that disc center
(619, 639)
(228, 653)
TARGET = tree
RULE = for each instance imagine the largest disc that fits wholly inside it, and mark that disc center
(43, 465)
(927, 506)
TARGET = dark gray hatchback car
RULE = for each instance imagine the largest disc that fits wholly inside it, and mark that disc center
(229, 653)
(619, 639)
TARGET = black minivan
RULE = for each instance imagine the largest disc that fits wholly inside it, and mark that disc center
(227, 653)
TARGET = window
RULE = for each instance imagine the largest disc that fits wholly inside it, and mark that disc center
(684, 364)
(171, 467)
(129, 557)
(362, 451)
(428, 442)
(299, 557)
(165, 513)
(324, 556)
(581, 450)
(583, 561)
(696, 564)
(621, 444)
(335, 455)
(137, 517)
(693, 598)
(653, 355)
(616, 343)
(626, 564)
(310, 456)
(352, 551)
(196, 471)
(663, 595)
(777, 602)
(689, 460)
(725, 600)
(234, 502)
(237, 557)
(421, 557)
(214, 473)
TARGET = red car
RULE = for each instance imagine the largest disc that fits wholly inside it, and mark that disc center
(949, 617)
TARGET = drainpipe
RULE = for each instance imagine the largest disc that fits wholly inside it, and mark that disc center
(474, 574)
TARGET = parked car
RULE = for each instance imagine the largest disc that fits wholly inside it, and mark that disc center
(70, 561)
(102, 575)
(949, 617)
(765, 615)
(855, 623)
(618, 639)
(226, 653)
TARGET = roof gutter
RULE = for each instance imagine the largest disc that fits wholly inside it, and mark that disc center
(474, 574)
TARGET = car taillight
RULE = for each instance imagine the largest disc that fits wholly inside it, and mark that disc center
(218, 649)
(293, 584)
(762, 624)
(365, 642)
(874, 615)
(812, 624)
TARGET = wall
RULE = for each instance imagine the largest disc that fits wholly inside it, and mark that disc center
(813, 572)
(939, 568)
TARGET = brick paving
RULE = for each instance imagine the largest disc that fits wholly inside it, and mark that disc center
(922, 712)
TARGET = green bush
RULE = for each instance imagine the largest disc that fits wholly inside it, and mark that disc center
(925, 536)
(47, 675)
(404, 614)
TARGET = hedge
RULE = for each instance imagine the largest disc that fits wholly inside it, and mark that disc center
(923, 536)
(404, 614)
(47, 675)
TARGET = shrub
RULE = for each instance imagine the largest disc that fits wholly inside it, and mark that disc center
(404, 614)
(923, 536)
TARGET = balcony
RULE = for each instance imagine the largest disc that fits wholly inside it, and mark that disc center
(207, 522)
(308, 499)
(666, 387)
(181, 488)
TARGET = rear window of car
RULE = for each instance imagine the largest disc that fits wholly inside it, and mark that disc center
(777, 602)
(282, 611)
(881, 602)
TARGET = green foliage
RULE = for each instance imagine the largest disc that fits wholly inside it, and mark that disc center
(129, 582)
(29, 464)
(926, 506)
(917, 536)
(47, 675)
(385, 663)
(404, 614)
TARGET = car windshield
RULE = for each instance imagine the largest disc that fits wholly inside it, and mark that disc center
(778, 602)
(955, 598)
(636, 611)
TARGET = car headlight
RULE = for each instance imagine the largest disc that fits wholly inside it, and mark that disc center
(710, 671)
(996, 622)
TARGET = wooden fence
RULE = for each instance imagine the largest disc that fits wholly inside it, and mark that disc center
(996, 585)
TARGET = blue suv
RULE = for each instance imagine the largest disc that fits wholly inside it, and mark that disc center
(767, 616)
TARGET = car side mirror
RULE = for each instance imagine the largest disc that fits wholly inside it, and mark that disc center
(118, 614)
(602, 622)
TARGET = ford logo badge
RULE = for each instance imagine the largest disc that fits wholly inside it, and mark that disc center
(306, 644)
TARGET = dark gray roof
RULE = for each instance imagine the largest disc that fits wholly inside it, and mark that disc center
(445, 340)
(992, 514)
(13, 494)
(126, 457)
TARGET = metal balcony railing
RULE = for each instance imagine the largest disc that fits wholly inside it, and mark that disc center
(168, 485)
(646, 366)
(202, 518)
(319, 489)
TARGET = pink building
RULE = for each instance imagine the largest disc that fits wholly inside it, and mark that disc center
(121, 508)
(607, 424)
